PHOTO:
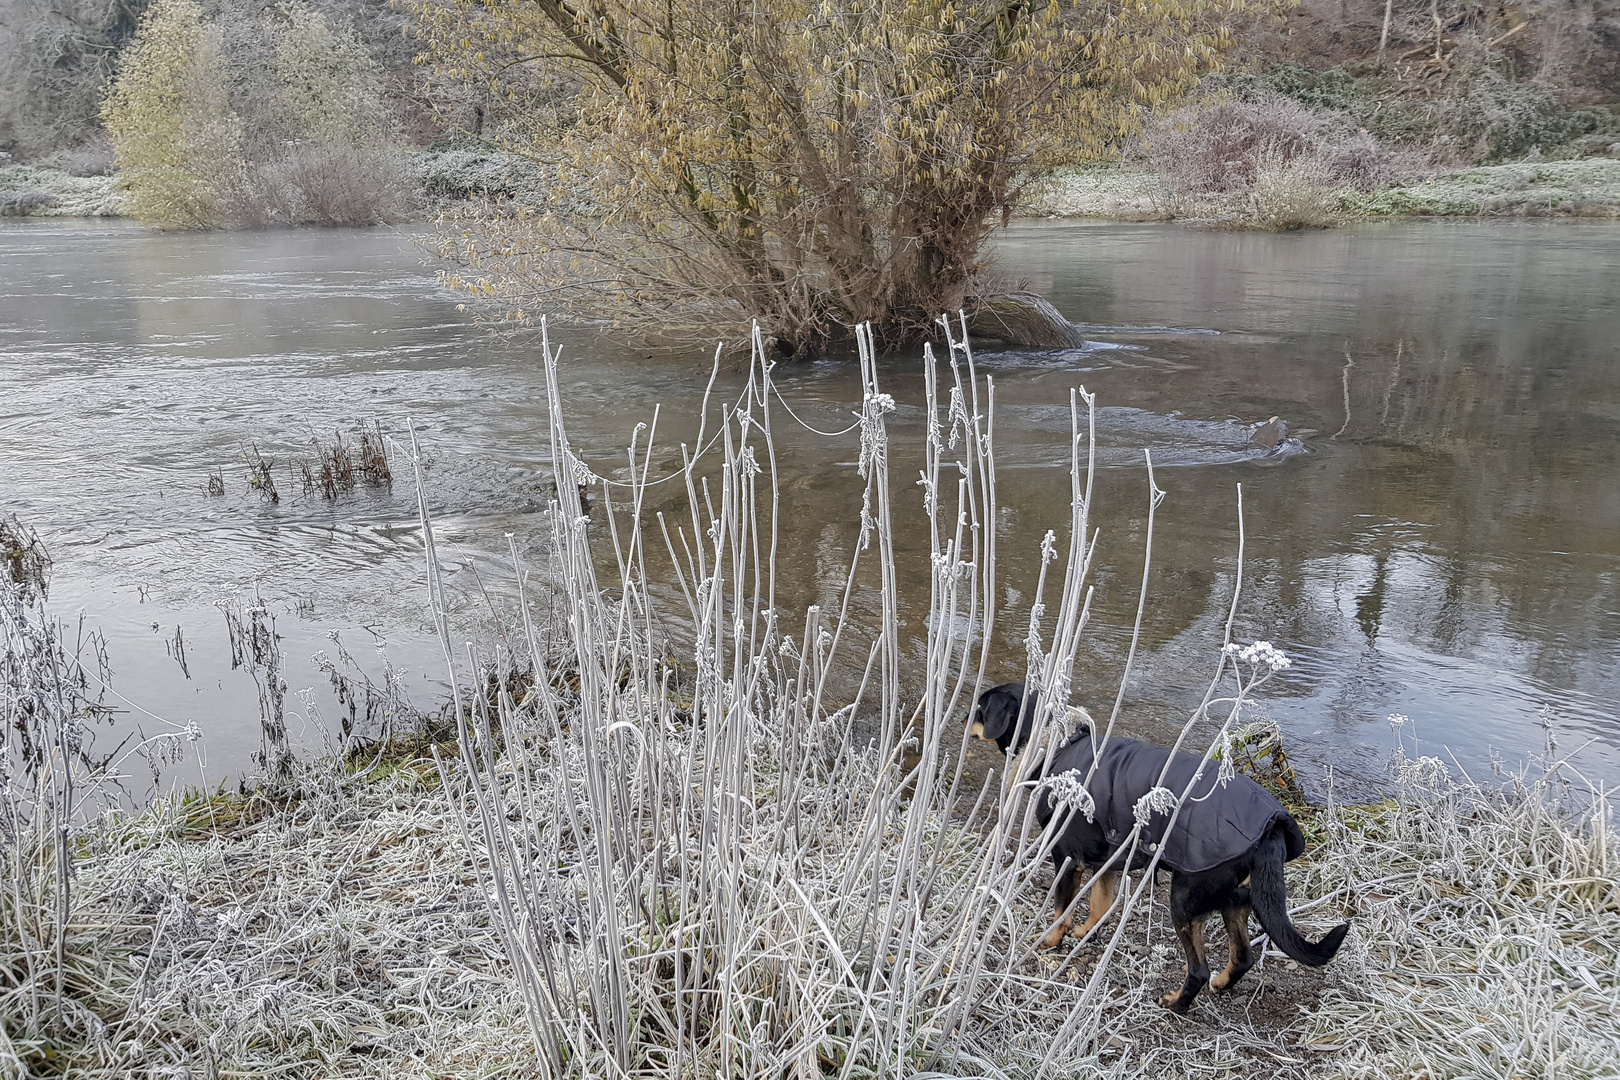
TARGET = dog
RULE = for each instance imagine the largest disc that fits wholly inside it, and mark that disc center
(1225, 852)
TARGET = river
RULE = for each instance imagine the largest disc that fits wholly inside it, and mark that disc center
(1446, 545)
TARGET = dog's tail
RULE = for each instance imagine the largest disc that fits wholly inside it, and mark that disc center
(1270, 900)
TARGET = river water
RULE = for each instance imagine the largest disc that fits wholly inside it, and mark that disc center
(1446, 545)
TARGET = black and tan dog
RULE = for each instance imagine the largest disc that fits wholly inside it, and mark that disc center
(1225, 852)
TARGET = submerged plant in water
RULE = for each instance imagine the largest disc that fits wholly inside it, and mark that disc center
(339, 465)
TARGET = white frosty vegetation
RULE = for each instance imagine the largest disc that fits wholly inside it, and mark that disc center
(656, 853)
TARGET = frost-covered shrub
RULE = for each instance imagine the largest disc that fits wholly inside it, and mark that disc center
(174, 134)
(1217, 147)
(310, 138)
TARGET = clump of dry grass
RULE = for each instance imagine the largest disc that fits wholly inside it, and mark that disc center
(23, 557)
(319, 183)
(55, 778)
(1290, 164)
(1219, 146)
(339, 465)
(1293, 194)
(260, 475)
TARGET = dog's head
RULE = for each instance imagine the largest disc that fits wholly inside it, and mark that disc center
(1002, 717)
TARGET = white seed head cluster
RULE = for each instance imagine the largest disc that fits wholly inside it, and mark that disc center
(582, 472)
(1068, 789)
(1260, 654)
(1427, 773)
(1158, 801)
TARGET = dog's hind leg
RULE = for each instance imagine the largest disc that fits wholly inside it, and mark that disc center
(1068, 887)
(1239, 956)
(1191, 934)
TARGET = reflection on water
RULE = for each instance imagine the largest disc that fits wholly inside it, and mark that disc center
(1445, 545)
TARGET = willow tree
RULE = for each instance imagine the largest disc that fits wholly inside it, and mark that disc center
(808, 164)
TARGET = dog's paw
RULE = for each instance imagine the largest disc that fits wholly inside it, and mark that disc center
(1177, 1002)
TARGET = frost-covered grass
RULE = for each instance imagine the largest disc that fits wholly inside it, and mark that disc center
(1487, 929)
(44, 192)
(440, 179)
(343, 931)
(687, 854)
(1123, 192)
(1585, 188)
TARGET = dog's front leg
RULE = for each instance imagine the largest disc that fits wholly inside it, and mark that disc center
(1068, 886)
(1104, 887)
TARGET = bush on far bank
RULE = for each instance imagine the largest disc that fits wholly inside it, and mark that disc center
(252, 117)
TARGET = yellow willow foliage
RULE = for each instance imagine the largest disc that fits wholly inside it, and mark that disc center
(811, 163)
(327, 85)
(176, 140)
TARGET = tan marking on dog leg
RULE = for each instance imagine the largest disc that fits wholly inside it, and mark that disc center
(1192, 946)
(1103, 889)
(1239, 957)
(1068, 887)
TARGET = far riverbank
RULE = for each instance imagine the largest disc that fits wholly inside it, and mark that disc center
(1129, 191)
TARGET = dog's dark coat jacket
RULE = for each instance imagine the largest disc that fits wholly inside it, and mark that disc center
(1225, 854)
(1230, 817)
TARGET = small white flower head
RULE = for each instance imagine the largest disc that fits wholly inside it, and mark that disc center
(1049, 546)
(873, 440)
(193, 732)
(1260, 654)
(1398, 721)
(582, 472)
(1069, 790)
(1158, 801)
(1427, 772)
(747, 465)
